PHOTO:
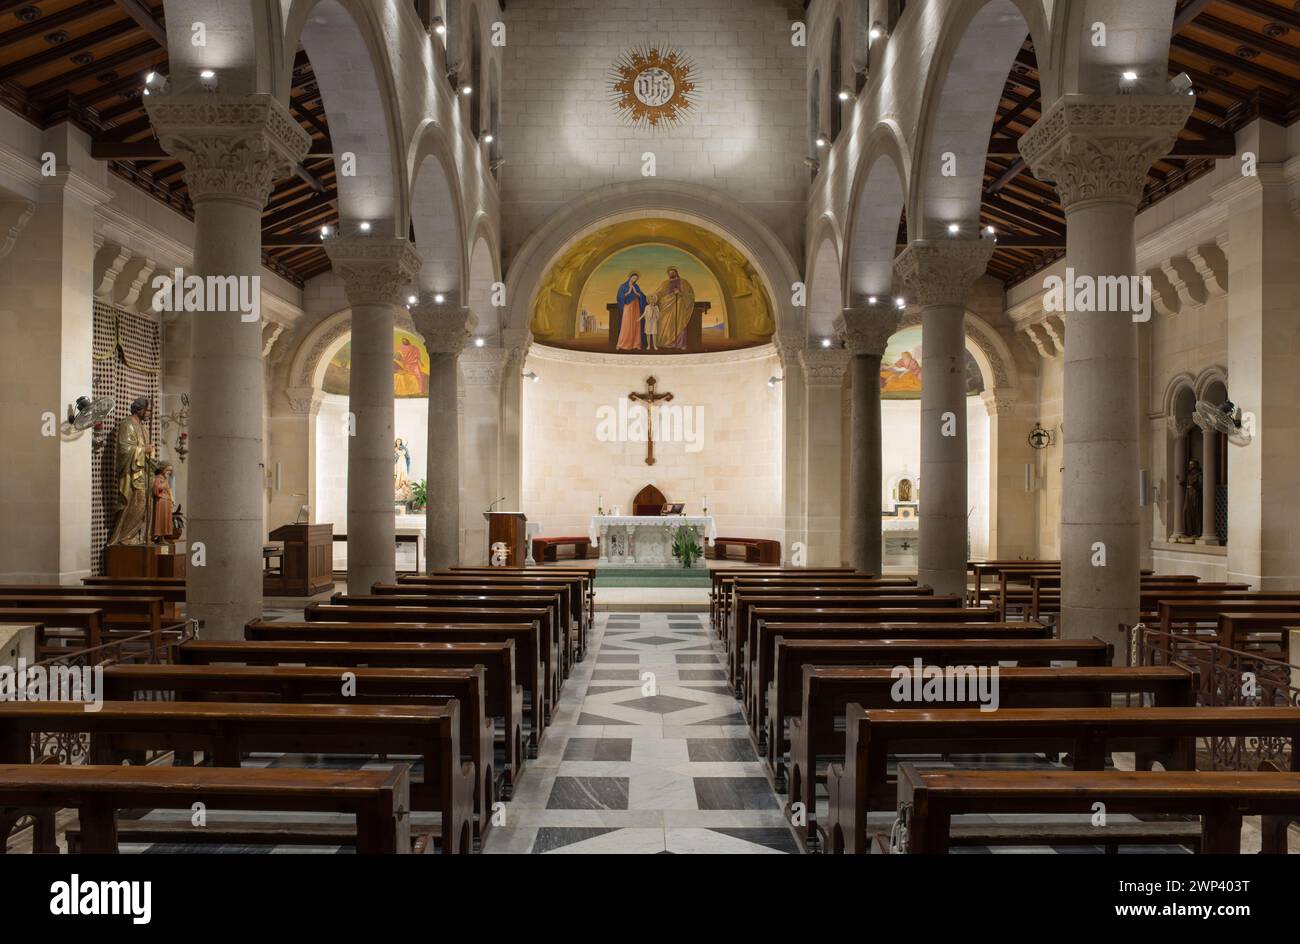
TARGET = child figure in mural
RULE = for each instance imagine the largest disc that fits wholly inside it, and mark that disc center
(651, 323)
(162, 528)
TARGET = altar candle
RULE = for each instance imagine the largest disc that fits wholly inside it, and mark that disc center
(600, 501)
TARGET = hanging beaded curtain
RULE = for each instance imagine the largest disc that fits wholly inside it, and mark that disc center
(127, 361)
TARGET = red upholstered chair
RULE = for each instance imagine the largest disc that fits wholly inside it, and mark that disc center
(649, 501)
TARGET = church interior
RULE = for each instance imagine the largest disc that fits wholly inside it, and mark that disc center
(575, 427)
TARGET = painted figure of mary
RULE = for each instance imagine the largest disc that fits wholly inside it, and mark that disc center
(631, 303)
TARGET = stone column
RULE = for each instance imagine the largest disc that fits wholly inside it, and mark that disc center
(824, 370)
(1098, 150)
(483, 370)
(516, 342)
(233, 149)
(939, 275)
(793, 432)
(866, 331)
(445, 329)
(1179, 429)
(375, 272)
(1013, 515)
(1210, 446)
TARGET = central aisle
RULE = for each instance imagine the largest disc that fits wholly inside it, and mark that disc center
(625, 771)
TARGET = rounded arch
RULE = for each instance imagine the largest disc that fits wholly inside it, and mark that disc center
(614, 203)
(824, 281)
(349, 53)
(1179, 396)
(436, 212)
(875, 209)
(963, 86)
(997, 364)
(483, 274)
(1212, 385)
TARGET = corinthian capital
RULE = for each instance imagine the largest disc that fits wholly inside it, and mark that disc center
(824, 367)
(942, 271)
(868, 328)
(1100, 147)
(375, 270)
(445, 328)
(233, 148)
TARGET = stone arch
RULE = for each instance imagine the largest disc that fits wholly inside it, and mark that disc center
(997, 365)
(1137, 37)
(1173, 399)
(875, 208)
(349, 55)
(437, 213)
(243, 44)
(313, 353)
(1209, 383)
(824, 281)
(483, 274)
(963, 86)
(614, 203)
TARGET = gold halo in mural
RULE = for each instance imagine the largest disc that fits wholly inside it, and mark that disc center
(650, 87)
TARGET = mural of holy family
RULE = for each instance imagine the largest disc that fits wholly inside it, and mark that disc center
(658, 321)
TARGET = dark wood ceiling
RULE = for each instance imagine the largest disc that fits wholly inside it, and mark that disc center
(84, 61)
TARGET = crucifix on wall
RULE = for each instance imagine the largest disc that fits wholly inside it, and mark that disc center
(650, 398)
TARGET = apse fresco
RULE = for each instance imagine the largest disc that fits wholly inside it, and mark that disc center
(900, 368)
(410, 367)
(652, 287)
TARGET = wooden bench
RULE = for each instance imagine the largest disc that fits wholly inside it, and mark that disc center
(801, 586)
(826, 691)
(756, 550)
(1045, 590)
(570, 588)
(1259, 632)
(762, 670)
(1087, 735)
(528, 657)
(929, 799)
(378, 799)
(505, 696)
(982, 571)
(585, 574)
(719, 574)
(86, 623)
(1198, 616)
(546, 548)
(317, 685)
(126, 613)
(173, 595)
(227, 731)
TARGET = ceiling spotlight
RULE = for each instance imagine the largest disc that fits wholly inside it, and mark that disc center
(206, 74)
(845, 95)
(440, 298)
(953, 229)
(479, 342)
(467, 90)
(149, 79)
(876, 32)
(324, 231)
(872, 299)
(439, 26)
(365, 227)
(900, 302)
(826, 342)
(487, 138)
(822, 140)
(990, 231)
(411, 299)
(1128, 75)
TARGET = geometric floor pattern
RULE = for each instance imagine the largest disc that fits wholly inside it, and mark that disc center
(648, 754)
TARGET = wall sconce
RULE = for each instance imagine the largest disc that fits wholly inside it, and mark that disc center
(774, 380)
(877, 31)
(532, 375)
(821, 140)
(436, 25)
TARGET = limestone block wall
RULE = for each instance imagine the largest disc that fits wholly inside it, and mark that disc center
(735, 460)
(744, 135)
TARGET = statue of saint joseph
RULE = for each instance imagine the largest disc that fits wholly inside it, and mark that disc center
(134, 467)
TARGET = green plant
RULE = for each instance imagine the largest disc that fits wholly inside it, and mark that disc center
(684, 546)
(419, 493)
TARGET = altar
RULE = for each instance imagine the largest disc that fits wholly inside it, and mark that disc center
(647, 540)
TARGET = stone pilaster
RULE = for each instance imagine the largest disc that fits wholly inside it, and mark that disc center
(1098, 150)
(824, 370)
(445, 330)
(938, 275)
(233, 150)
(485, 372)
(866, 332)
(375, 272)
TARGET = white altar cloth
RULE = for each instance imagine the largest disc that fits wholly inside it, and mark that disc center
(646, 540)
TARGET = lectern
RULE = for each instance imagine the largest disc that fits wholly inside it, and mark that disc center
(508, 528)
(307, 564)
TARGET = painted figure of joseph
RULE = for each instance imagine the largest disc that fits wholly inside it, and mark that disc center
(676, 301)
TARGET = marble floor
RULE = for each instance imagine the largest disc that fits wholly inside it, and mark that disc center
(648, 753)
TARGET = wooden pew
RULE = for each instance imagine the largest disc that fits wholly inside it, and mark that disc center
(884, 609)
(151, 581)
(1196, 615)
(1266, 632)
(505, 696)
(378, 799)
(861, 785)
(826, 691)
(1045, 590)
(763, 669)
(719, 574)
(929, 799)
(982, 571)
(571, 587)
(87, 622)
(226, 731)
(317, 685)
(730, 586)
(136, 613)
(528, 658)
(442, 612)
(556, 623)
(585, 574)
(173, 596)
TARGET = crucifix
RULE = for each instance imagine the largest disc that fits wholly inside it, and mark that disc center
(650, 398)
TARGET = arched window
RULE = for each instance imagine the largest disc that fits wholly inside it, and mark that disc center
(814, 117)
(835, 80)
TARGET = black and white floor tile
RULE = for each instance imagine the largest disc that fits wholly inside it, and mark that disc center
(648, 754)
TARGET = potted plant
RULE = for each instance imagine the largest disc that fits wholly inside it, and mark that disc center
(419, 495)
(684, 546)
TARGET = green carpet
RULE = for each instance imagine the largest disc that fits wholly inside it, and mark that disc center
(646, 577)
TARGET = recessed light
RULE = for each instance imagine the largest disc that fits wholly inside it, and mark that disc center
(365, 227)
(1128, 75)
(953, 229)
(207, 74)
(479, 342)
(826, 342)
(439, 298)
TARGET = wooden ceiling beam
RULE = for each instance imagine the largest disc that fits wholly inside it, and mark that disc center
(1229, 61)
(44, 24)
(145, 20)
(66, 49)
(1268, 11)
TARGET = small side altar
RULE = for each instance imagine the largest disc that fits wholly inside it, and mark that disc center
(647, 540)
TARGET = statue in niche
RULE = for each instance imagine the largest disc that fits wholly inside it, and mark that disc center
(134, 467)
(401, 471)
(164, 527)
(904, 490)
(1191, 485)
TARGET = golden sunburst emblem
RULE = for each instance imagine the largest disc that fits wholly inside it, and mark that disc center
(651, 86)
